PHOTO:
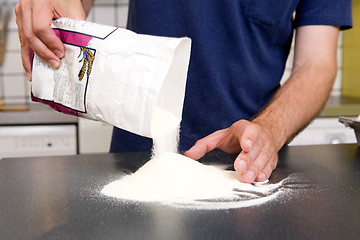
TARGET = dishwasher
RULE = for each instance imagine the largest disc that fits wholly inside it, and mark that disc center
(38, 140)
(39, 131)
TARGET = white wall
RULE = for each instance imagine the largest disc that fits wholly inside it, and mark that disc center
(14, 87)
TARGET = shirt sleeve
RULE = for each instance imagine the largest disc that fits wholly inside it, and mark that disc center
(324, 12)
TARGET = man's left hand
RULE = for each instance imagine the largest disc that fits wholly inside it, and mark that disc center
(256, 147)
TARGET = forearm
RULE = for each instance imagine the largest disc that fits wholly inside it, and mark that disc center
(297, 102)
(87, 4)
(293, 106)
(301, 98)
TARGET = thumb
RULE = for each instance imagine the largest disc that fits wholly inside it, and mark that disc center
(204, 145)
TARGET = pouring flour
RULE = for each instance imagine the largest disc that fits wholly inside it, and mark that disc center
(137, 83)
(113, 75)
(173, 179)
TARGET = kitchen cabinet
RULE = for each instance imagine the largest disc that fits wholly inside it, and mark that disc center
(38, 140)
(40, 131)
(94, 136)
(325, 131)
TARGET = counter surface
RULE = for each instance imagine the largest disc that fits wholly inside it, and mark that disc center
(59, 198)
(37, 114)
(43, 114)
(341, 106)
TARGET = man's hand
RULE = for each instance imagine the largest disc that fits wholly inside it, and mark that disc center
(258, 154)
(33, 18)
(292, 107)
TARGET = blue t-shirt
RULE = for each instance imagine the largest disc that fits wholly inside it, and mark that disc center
(238, 55)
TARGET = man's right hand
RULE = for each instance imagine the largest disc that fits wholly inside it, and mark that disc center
(33, 18)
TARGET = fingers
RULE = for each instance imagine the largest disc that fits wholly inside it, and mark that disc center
(261, 168)
(260, 159)
(258, 155)
(34, 27)
(25, 49)
(46, 44)
(250, 145)
(205, 145)
(248, 135)
(266, 172)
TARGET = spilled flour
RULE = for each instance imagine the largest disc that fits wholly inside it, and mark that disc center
(173, 179)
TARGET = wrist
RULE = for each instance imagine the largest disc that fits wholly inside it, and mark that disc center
(87, 4)
(274, 131)
(71, 9)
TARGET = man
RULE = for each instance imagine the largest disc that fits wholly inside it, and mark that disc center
(233, 99)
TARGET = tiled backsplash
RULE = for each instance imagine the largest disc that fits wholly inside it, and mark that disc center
(109, 12)
(14, 87)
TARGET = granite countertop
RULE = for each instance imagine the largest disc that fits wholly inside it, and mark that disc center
(341, 106)
(37, 114)
(43, 114)
(59, 198)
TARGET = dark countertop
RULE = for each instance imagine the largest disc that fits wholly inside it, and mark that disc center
(37, 114)
(59, 198)
(43, 114)
(341, 106)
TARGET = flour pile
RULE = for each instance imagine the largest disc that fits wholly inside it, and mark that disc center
(171, 178)
(174, 177)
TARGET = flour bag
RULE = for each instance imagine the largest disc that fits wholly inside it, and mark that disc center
(113, 75)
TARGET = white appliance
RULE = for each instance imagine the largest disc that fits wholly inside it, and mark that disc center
(325, 131)
(38, 140)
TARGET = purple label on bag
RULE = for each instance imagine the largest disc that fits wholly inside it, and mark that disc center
(73, 41)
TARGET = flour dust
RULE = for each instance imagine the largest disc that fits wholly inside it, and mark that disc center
(173, 179)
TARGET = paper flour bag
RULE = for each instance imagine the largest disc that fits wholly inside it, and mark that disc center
(113, 75)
